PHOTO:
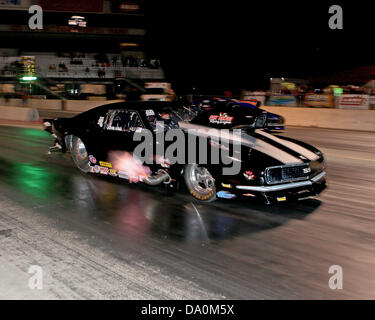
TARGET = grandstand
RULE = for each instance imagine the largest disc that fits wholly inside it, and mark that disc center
(108, 49)
(86, 66)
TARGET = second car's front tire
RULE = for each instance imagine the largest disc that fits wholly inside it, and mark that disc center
(200, 183)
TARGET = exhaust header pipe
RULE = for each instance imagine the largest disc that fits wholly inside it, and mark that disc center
(158, 178)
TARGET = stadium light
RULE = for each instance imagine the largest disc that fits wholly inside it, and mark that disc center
(28, 78)
(77, 21)
(128, 44)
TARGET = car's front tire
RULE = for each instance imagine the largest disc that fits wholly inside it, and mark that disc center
(200, 183)
(79, 154)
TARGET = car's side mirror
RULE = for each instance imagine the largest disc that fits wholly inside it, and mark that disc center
(260, 121)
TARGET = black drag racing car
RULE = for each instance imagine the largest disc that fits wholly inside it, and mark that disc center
(102, 141)
(274, 122)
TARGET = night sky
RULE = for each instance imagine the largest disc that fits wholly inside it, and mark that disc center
(219, 45)
(234, 44)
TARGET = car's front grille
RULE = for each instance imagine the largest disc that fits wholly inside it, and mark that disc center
(287, 173)
(275, 120)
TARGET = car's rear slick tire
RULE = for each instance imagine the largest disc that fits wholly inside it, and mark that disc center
(79, 154)
(200, 183)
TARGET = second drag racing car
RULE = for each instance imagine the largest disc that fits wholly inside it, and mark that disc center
(274, 122)
(102, 141)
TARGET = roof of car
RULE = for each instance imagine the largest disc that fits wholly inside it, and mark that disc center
(140, 105)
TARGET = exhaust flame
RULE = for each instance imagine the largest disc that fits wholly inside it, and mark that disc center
(127, 163)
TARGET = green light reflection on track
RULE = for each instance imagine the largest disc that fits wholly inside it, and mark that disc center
(34, 132)
(33, 180)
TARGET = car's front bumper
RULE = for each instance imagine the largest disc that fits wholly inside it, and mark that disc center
(282, 192)
(274, 127)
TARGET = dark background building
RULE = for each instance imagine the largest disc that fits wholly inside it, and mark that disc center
(210, 46)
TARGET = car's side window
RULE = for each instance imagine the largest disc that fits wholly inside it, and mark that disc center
(122, 120)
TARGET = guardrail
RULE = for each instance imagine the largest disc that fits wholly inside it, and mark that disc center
(308, 100)
(55, 104)
(19, 113)
(296, 116)
(362, 120)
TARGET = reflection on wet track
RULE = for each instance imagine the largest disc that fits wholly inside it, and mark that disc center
(228, 248)
(136, 209)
